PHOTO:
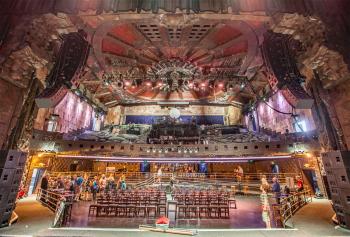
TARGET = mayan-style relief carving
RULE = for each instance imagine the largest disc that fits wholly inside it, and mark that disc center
(329, 64)
(310, 31)
(20, 65)
(31, 47)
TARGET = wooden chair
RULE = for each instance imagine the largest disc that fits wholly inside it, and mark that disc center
(192, 211)
(151, 211)
(181, 211)
(203, 209)
(245, 190)
(93, 209)
(232, 202)
(213, 211)
(224, 211)
(161, 209)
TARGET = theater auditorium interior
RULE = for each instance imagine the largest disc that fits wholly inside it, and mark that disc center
(174, 117)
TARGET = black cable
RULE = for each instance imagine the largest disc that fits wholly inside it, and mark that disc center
(278, 111)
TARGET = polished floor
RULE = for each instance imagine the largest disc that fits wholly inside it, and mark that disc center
(312, 220)
(247, 215)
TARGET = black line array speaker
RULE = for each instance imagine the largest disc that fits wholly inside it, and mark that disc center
(337, 167)
(11, 170)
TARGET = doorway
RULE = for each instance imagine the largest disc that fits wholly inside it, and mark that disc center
(311, 177)
(35, 179)
(73, 167)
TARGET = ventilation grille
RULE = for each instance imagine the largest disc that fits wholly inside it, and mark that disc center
(150, 31)
(174, 33)
(198, 31)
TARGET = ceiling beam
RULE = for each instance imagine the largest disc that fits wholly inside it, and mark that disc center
(223, 59)
(119, 41)
(138, 53)
(110, 103)
(103, 94)
(91, 82)
(197, 54)
(185, 33)
(147, 43)
(164, 36)
(228, 44)
(209, 33)
(203, 58)
(204, 41)
(122, 58)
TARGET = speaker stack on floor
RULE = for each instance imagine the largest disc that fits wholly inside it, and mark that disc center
(337, 167)
(11, 170)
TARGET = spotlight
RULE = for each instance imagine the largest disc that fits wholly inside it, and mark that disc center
(160, 83)
(120, 84)
(148, 83)
(127, 83)
(202, 84)
(242, 85)
(106, 82)
(221, 85)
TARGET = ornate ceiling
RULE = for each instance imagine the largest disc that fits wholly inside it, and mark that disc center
(147, 58)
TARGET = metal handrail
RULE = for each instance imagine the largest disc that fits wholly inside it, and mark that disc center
(219, 176)
(291, 204)
(49, 198)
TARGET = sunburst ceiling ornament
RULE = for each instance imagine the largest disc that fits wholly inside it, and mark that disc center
(174, 75)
